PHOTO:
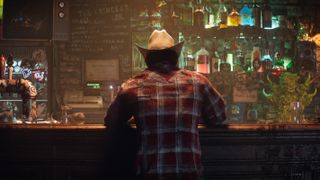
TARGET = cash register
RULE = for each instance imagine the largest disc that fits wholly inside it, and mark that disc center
(76, 100)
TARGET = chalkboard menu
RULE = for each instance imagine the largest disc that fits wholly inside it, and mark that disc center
(100, 28)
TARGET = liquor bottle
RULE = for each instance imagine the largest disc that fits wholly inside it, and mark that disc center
(172, 21)
(256, 15)
(186, 16)
(222, 15)
(234, 18)
(215, 62)
(267, 16)
(181, 57)
(248, 61)
(190, 61)
(209, 17)
(198, 16)
(230, 60)
(202, 61)
(246, 16)
(240, 60)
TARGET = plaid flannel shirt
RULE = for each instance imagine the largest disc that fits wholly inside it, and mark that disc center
(167, 111)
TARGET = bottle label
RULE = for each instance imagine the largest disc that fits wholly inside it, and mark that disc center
(203, 59)
(190, 63)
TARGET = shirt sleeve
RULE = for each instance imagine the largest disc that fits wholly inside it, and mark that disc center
(118, 112)
(213, 109)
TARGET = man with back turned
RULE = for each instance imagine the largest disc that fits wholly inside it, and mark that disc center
(167, 103)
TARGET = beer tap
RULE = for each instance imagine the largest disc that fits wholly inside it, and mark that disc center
(10, 63)
(22, 86)
(10, 71)
(2, 69)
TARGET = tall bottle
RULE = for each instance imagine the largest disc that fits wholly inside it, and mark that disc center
(186, 16)
(222, 15)
(267, 15)
(209, 17)
(172, 20)
(241, 60)
(248, 60)
(234, 18)
(215, 62)
(202, 61)
(246, 16)
(198, 16)
(190, 61)
(256, 14)
(181, 57)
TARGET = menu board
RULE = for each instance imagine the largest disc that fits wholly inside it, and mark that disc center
(100, 27)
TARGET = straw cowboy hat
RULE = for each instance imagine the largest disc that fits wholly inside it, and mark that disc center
(160, 40)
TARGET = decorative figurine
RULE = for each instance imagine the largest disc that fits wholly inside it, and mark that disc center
(288, 91)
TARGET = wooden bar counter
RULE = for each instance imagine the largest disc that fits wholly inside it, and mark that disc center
(229, 152)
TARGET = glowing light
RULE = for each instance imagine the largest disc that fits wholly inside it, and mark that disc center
(287, 63)
(266, 57)
(230, 60)
(1, 9)
(275, 23)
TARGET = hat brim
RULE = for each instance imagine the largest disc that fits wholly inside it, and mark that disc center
(176, 48)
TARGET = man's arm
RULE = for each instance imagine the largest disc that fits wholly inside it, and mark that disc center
(118, 112)
(213, 110)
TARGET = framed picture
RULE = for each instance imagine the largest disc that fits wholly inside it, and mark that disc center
(243, 94)
(102, 70)
(27, 19)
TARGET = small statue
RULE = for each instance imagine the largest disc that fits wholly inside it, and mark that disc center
(288, 91)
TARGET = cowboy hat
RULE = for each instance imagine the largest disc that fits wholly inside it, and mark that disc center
(160, 40)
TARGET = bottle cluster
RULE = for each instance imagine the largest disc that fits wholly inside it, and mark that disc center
(208, 15)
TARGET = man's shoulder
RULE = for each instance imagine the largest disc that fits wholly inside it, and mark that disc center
(142, 75)
(135, 79)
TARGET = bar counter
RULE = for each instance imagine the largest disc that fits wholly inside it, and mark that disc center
(47, 151)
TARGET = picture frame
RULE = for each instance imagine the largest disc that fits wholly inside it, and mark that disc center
(97, 70)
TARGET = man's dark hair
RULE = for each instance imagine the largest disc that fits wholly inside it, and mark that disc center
(162, 61)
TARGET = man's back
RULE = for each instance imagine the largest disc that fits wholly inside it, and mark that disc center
(167, 104)
(167, 110)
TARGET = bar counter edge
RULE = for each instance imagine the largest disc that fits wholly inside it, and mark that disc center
(45, 151)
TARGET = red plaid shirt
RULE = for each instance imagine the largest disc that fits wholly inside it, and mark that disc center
(167, 110)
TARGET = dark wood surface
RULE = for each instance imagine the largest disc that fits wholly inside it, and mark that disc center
(88, 152)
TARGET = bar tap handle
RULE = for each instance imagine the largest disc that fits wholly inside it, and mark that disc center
(10, 63)
(29, 100)
(3, 86)
(2, 66)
